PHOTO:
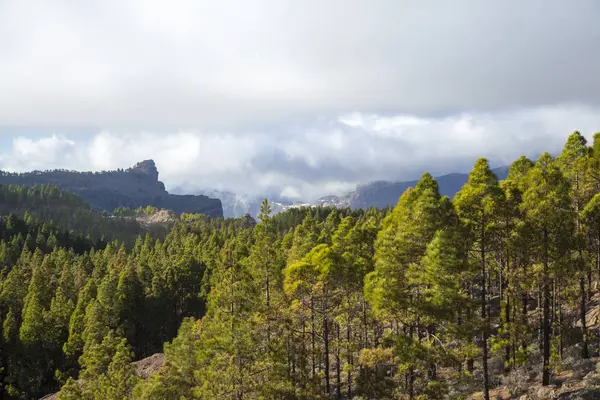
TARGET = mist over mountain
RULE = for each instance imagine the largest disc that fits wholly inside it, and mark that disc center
(382, 194)
(139, 186)
(378, 194)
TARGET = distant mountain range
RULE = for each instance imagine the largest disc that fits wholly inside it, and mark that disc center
(382, 194)
(139, 186)
(107, 190)
(236, 205)
(378, 194)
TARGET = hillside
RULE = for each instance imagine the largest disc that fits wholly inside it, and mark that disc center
(107, 190)
(378, 194)
(66, 211)
(383, 194)
(492, 294)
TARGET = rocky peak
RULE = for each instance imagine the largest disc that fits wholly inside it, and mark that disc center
(135, 187)
(248, 221)
(147, 167)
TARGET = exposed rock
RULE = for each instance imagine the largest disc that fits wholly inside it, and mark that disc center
(591, 376)
(132, 188)
(592, 318)
(147, 167)
(495, 394)
(148, 366)
(248, 221)
(143, 368)
(582, 394)
(160, 217)
(546, 392)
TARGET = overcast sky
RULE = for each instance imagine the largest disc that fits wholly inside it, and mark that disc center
(300, 98)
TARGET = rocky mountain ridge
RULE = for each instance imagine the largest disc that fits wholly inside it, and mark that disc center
(107, 190)
(139, 186)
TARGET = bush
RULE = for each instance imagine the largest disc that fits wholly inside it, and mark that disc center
(516, 381)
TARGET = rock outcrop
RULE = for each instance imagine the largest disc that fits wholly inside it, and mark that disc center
(132, 188)
(143, 369)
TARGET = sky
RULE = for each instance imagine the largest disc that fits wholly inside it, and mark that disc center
(293, 98)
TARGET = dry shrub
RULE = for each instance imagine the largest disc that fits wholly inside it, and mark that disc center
(516, 381)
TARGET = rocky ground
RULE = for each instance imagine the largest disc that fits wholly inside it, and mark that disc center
(143, 368)
(577, 380)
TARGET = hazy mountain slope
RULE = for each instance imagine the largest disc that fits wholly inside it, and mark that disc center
(134, 187)
(385, 193)
(378, 194)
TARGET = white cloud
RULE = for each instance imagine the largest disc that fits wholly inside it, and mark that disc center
(40, 154)
(185, 64)
(314, 159)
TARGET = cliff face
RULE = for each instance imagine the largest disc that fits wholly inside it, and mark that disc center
(107, 190)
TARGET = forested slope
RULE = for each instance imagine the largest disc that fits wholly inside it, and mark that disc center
(434, 299)
(66, 210)
(437, 299)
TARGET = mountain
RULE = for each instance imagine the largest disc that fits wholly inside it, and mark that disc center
(382, 194)
(68, 212)
(379, 194)
(107, 190)
(236, 205)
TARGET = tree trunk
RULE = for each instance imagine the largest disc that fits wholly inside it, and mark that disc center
(582, 314)
(349, 358)
(560, 321)
(540, 305)
(484, 331)
(469, 313)
(365, 326)
(546, 314)
(598, 254)
(507, 304)
(267, 294)
(524, 319)
(267, 301)
(411, 372)
(326, 348)
(589, 278)
(312, 334)
(338, 372)
(289, 358)
(303, 357)
(432, 371)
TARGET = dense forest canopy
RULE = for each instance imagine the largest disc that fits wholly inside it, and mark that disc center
(66, 210)
(436, 298)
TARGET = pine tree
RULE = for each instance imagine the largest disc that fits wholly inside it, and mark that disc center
(74, 345)
(440, 272)
(546, 205)
(402, 242)
(574, 162)
(176, 379)
(478, 204)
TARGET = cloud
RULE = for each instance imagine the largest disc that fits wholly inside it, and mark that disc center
(194, 65)
(40, 153)
(317, 158)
